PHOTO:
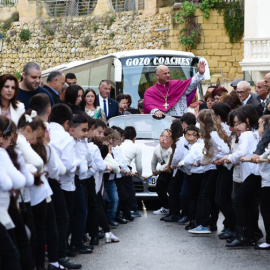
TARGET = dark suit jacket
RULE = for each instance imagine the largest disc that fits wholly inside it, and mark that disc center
(255, 96)
(113, 107)
(55, 97)
(257, 104)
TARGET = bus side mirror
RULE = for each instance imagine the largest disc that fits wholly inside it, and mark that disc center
(207, 70)
(117, 70)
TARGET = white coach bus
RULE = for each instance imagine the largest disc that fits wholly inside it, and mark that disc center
(131, 72)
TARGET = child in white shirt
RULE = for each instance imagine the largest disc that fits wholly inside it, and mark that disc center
(159, 164)
(247, 192)
(216, 145)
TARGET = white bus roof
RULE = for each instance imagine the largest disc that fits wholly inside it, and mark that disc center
(118, 55)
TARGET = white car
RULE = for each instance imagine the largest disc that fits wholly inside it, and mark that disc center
(148, 131)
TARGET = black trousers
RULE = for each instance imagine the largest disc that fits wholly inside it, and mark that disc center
(61, 214)
(128, 183)
(265, 206)
(39, 213)
(174, 189)
(207, 213)
(79, 213)
(19, 236)
(92, 204)
(162, 185)
(194, 187)
(246, 202)
(103, 222)
(9, 254)
(123, 195)
(224, 195)
(69, 197)
(51, 233)
(28, 219)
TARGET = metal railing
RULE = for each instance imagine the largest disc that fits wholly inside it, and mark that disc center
(127, 5)
(5, 3)
(58, 8)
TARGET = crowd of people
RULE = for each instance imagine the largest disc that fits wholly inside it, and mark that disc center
(66, 178)
(219, 162)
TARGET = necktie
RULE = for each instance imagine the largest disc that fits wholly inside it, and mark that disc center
(105, 107)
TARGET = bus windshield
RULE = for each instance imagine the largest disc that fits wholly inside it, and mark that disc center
(139, 72)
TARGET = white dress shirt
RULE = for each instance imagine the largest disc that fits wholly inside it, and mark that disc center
(181, 150)
(118, 156)
(64, 146)
(246, 146)
(264, 169)
(160, 158)
(8, 172)
(132, 152)
(29, 154)
(95, 160)
(218, 146)
(29, 177)
(81, 156)
(226, 128)
(41, 192)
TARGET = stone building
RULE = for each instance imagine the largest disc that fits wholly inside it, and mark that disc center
(111, 27)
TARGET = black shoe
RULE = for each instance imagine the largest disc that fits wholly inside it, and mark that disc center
(120, 220)
(172, 218)
(101, 234)
(128, 217)
(183, 220)
(68, 264)
(87, 246)
(163, 218)
(94, 240)
(82, 249)
(227, 235)
(191, 225)
(113, 223)
(236, 243)
(230, 240)
(52, 267)
(71, 253)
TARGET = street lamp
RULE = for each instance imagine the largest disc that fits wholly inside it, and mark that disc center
(1, 42)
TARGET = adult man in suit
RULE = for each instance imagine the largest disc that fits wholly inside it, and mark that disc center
(108, 105)
(243, 92)
(55, 84)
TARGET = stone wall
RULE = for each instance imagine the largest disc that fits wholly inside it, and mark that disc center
(86, 37)
(222, 56)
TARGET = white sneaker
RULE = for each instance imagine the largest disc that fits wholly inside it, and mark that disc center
(161, 211)
(110, 237)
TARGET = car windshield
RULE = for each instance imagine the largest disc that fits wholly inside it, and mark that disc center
(139, 73)
(146, 126)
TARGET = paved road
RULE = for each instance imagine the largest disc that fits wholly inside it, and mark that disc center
(148, 243)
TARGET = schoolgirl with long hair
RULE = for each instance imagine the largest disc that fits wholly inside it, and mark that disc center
(246, 192)
(216, 145)
(33, 128)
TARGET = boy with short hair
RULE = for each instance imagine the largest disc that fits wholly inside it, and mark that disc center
(63, 189)
(78, 129)
(130, 152)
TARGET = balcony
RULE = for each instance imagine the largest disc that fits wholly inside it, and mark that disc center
(256, 54)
